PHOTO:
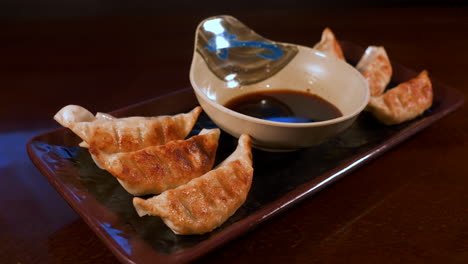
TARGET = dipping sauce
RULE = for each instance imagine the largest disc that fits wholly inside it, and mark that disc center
(284, 106)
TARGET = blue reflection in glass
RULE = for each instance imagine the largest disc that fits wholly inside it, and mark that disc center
(222, 42)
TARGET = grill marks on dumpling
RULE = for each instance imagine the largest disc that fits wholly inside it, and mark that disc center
(155, 169)
(135, 138)
(376, 68)
(158, 130)
(114, 135)
(216, 196)
(240, 179)
(206, 202)
(139, 133)
(404, 102)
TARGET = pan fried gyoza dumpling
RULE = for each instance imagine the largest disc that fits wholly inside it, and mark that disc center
(205, 202)
(404, 102)
(376, 69)
(155, 169)
(99, 115)
(329, 45)
(113, 135)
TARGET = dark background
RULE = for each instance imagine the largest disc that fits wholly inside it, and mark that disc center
(70, 48)
(407, 206)
(73, 8)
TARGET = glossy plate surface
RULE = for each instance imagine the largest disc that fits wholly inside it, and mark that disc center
(280, 179)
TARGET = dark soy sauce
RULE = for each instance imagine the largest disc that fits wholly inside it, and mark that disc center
(284, 106)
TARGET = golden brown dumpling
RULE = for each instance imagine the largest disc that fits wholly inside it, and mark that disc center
(99, 115)
(113, 135)
(329, 45)
(155, 169)
(404, 102)
(376, 69)
(205, 202)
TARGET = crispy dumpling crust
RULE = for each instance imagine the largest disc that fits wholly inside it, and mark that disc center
(404, 102)
(329, 45)
(113, 135)
(205, 202)
(155, 169)
(376, 69)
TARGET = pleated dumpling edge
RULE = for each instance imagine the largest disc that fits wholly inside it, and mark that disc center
(206, 202)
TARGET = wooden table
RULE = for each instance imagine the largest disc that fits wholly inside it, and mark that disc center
(408, 206)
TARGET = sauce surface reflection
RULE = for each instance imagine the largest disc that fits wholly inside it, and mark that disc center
(284, 106)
